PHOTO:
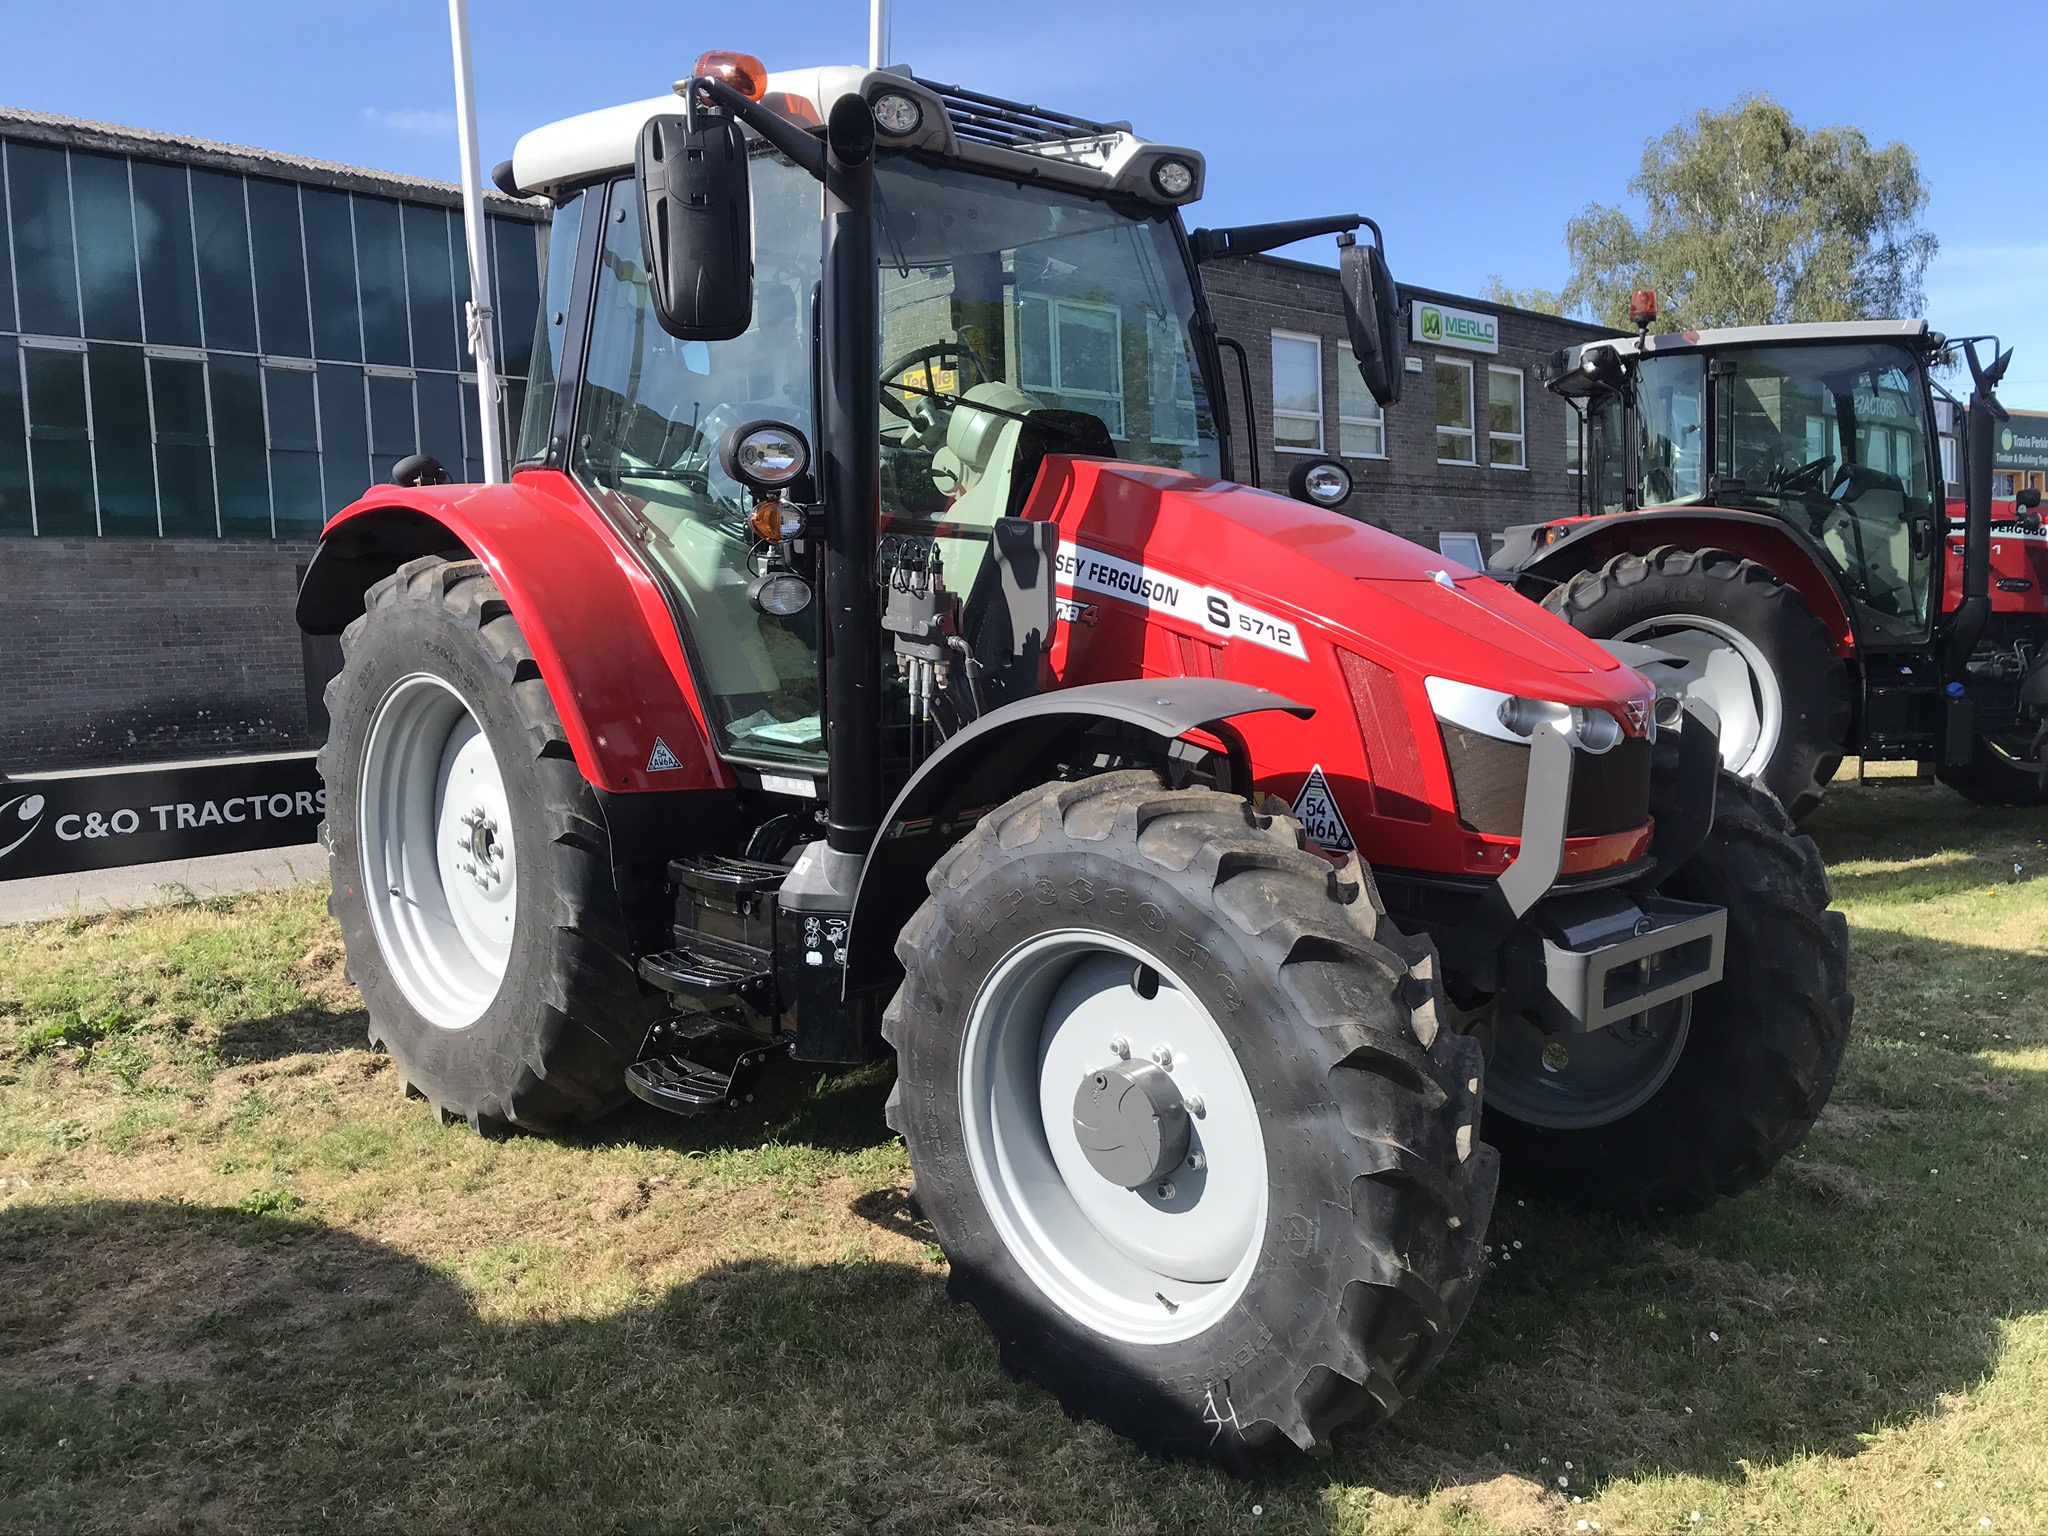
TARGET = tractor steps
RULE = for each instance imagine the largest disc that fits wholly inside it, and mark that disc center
(682, 1084)
(705, 969)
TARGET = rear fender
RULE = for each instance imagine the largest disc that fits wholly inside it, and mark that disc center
(1006, 751)
(601, 630)
(1790, 555)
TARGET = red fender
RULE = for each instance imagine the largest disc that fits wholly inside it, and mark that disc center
(1580, 543)
(600, 628)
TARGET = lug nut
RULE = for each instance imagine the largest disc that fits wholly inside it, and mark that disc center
(1555, 1057)
(1120, 1048)
(1165, 1190)
(1197, 1162)
(1164, 1056)
(1196, 1104)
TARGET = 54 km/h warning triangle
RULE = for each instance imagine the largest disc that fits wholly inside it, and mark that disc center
(661, 760)
(1316, 809)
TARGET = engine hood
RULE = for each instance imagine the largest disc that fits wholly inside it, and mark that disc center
(1349, 584)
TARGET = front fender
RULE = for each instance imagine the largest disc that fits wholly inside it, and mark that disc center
(1005, 751)
(601, 630)
(1788, 553)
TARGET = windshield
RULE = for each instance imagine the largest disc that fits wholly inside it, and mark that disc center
(1015, 321)
(1669, 462)
(1835, 437)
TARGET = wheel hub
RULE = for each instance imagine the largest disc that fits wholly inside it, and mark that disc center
(1132, 1123)
(483, 851)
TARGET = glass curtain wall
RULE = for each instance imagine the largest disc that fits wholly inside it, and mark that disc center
(190, 352)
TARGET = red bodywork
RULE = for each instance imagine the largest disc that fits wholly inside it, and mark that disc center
(1167, 574)
(1231, 582)
(599, 626)
(2019, 563)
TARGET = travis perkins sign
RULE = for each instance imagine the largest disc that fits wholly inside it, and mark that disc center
(60, 823)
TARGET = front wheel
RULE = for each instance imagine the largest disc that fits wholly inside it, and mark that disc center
(1668, 1112)
(1748, 648)
(1183, 1118)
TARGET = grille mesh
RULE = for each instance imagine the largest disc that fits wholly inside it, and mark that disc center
(1610, 791)
(1011, 124)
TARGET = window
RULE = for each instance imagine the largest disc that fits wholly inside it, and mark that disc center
(1170, 383)
(227, 285)
(184, 460)
(380, 272)
(430, 289)
(1297, 393)
(331, 275)
(1504, 435)
(344, 434)
(1574, 442)
(394, 430)
(292, 419)
(59, 436)
(1361, 424)
(1454, 436)
(39, 204)
(280, 259)
(1071, 350)
(515, 264)
(121, 448)
(545, 349)
(16, 515)
(106, 248)
(1462, 547)
(163, 246)
(236, 385)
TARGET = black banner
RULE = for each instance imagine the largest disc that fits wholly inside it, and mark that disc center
(60, 823)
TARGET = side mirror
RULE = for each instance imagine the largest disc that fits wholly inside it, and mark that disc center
(2030, 497)
(697, 225)
(1372, 311)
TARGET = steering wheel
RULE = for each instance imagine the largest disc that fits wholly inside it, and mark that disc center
(1806, 480)
(929, 356)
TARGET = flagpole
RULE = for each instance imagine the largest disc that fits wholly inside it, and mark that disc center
(482, 320)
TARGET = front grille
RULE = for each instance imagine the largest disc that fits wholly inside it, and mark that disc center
(1610, 790)
(1011, 124)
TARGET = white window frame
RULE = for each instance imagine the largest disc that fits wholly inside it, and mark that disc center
(1470, 433)
(1280, 415)
(1519, 439)
(1054, 303)
(1378, 419)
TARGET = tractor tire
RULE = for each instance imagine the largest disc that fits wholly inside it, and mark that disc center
(1754, 1062)
(1312, 1257)
(1797, 687)
(492, 957)
(1993, 778)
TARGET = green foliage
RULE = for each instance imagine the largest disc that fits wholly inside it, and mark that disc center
(1751, 219)
(71, 1028)
(1546, 301)
(268, 1202)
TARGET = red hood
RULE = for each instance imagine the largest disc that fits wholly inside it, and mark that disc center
(1369, 591)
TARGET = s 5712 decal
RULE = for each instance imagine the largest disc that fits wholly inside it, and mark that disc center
(1172, 597)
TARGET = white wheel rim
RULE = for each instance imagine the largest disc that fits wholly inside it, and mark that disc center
(439, 872)
(1148, 1265)
(1723, 669)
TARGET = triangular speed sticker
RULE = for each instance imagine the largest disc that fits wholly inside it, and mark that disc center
(1316, 809)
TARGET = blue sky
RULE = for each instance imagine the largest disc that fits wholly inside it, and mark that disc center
(1471, 131)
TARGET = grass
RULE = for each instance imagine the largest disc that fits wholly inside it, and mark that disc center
(247, 1287)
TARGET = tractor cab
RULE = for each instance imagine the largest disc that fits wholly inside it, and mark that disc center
(1828, 429)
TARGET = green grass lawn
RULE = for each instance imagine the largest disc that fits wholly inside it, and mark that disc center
(244, 1285)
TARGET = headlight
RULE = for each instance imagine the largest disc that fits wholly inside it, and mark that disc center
(781, 593)
(1320, 482)
(1511, 717)
(896, 113)
(1173, 178)
(764, 455)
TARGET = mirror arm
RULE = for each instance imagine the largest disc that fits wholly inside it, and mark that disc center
(1250, 239)
(800, 144)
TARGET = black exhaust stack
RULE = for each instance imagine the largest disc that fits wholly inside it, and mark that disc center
(1980, 438)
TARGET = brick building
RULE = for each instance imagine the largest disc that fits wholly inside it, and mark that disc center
(1475, 442)
(205, 349)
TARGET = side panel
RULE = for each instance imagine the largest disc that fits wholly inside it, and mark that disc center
(1583, 543)
(2019, 563)
(600, 629)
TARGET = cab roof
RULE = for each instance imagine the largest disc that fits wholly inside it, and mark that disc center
(1012, 138)
(1565, 364)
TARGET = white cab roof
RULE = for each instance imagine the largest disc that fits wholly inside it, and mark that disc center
(1007, 137)
(1753, 335)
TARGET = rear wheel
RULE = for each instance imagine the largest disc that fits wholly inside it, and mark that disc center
(1183, 1117)
(470, 866)
(1751, 650)
(1700, 1099)
(2002, 772)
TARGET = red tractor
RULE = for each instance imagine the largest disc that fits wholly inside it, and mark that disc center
(1767, 507)
(872, 652)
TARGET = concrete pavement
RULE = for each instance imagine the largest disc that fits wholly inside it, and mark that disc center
(148, 885)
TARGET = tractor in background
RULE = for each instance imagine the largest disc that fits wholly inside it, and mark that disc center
(1766, 504)
(872, 651)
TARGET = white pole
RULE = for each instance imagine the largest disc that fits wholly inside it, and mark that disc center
(878, 28)
(483, 335)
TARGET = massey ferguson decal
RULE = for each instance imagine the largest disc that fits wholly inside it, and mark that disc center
(62, 823)
(1170, 597)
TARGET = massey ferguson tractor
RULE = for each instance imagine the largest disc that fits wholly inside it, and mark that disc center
(872, 652)
(1788, 538)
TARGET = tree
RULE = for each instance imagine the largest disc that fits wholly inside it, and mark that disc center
(1544, 301)
(1751, 219)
